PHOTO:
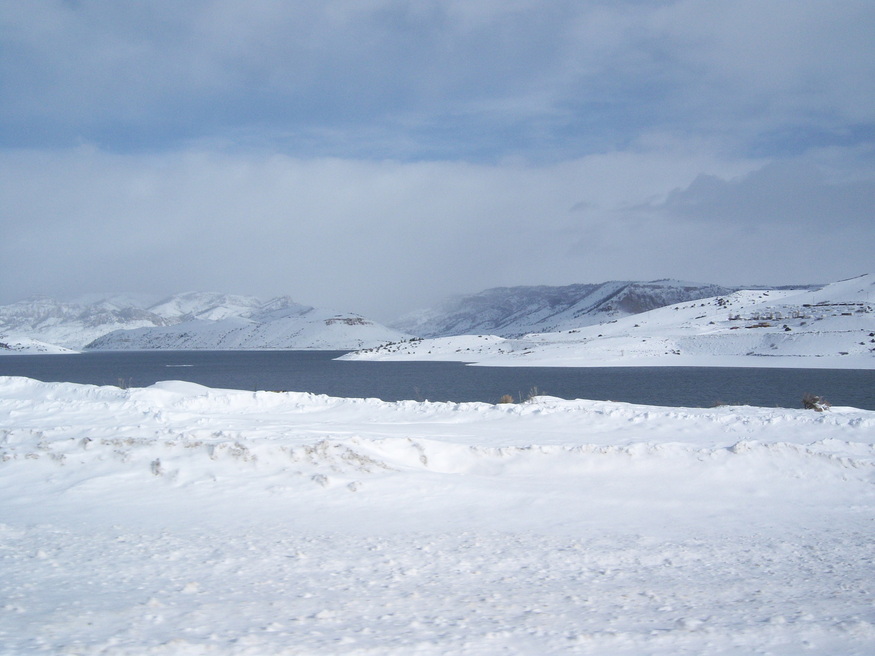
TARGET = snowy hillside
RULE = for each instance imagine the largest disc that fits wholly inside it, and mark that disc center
(72, 324)
(196, 320)
(208, 306)
(178, 519)
(516, 311)
(25, 345)
(294, 327)
(829, 327)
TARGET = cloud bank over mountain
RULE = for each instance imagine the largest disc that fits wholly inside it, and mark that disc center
(381, 156)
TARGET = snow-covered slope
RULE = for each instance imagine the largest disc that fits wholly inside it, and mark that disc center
(193, 320)
(290, 327)
(72, 324)
(183, 520)
(833, 326)
(208, 306)
(516, 311)
(25, 345)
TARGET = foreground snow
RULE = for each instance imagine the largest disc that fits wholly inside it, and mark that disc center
(177, 519)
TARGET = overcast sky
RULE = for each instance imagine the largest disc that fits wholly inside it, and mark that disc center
(376, 156)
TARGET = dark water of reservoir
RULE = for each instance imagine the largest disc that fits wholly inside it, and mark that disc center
(318, 372)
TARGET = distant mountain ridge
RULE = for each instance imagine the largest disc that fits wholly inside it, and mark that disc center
(290, 327)
(829, 326)
(207, 320)
(72, 324)
(202, 320)
(516, 311)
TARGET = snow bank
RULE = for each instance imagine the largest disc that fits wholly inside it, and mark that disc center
(178, 519)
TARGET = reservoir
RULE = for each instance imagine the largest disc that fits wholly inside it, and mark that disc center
(318, 372)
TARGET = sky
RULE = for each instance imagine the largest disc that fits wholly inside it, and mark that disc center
(378, 156)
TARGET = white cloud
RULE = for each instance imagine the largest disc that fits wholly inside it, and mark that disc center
(385, 237)
(462, 79)
(378, 155)
(783, 223)
(791, 194)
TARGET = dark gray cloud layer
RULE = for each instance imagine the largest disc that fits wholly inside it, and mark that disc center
(790, 194)
(433, 76)
(377, 155)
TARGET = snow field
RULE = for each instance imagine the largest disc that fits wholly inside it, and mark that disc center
(279, 590)
(177, 519)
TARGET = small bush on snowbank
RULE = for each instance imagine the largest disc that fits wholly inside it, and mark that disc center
(812, 402)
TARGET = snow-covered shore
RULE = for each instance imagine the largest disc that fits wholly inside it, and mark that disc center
(26, 346)
(832, 327)
(178, 519)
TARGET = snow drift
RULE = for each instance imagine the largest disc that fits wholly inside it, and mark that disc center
(186, 520)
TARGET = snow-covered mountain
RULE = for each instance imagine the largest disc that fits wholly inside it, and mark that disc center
(290, 327)
(72, 324)
(833, 326)
(208, 306)
(191, 320)
(573, 315)
(516, 311)
(25, 345)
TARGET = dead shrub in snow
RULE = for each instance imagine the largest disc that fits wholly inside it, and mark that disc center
(816, 403)
(533, 392)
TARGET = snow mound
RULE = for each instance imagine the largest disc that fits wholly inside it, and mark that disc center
(187, 520)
